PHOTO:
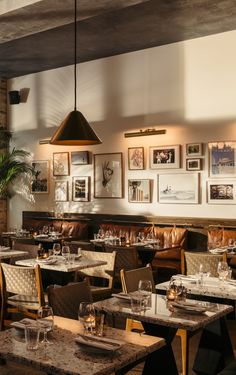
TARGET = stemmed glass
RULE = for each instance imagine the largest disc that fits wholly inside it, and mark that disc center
(223, 270)
(65, 252)
(45, 320)
(86, 316)
(145, 289)
(56, 249)
(231, 245)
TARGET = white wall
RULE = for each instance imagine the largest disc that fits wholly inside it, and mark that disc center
(187, 88)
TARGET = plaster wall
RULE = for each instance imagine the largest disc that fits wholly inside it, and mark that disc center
(187, 88)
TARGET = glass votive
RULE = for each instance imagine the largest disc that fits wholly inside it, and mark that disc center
(171, 294)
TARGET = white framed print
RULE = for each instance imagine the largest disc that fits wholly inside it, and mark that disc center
(222, 159)
(139, 191)
(221, 191)
(80, 188)
(61, 191)
(178, 188)
(164, 157)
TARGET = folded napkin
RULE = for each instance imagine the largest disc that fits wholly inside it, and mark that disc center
(4, 248)
(23, 323)
(190, 278)
(123, 296)
(193, 307)
(104, 343)
(231, 282)
(46, 261)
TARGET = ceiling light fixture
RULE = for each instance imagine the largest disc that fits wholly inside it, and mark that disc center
(75, 130)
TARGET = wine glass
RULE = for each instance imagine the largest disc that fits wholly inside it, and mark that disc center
(223, 270)
(65, 252)
(45, 321)
(231, 245)
(145, 289)
(56, 249)
(86, 316)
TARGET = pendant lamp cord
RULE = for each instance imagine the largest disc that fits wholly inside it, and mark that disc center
(75, 52)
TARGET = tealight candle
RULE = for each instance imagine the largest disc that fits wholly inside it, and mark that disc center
(171, 294)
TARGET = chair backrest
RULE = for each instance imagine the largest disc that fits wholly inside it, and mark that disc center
(192, 260)
(65, 300)
(106, 271)
(31, 249)
(74, 245)
(130, 279)
(126, 258)
(22, 280)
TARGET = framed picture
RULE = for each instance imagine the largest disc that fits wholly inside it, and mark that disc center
(40, 180)
(79, 157)
(179, 188)
(222, 159)
(136, 158)
(139, 191)
(61, 191)
(163, 157)
(194, 149)
(221, 192)
(61, 164)
(80, 189)
(108, 175)
(193, 164)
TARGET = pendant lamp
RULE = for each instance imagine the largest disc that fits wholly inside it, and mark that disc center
(75, 130)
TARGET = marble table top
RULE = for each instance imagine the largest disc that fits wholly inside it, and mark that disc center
(60, 265)
(212, 287)
(6, 254)
(65, 357)
(161, 313)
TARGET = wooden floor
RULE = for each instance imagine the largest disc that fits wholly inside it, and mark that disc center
(13, 369)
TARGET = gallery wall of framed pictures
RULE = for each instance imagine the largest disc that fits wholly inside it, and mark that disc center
(175, 173)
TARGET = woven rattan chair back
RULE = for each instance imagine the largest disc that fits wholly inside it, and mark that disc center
(65, 300)
(192, 261)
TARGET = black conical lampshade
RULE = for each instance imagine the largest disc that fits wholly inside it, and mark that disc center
(75, 131)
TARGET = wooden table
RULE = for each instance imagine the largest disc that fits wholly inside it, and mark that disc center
(160, 321)
(65, 357)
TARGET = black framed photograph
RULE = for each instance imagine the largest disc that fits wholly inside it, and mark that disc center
(79, 157)
(139, 191)
(40, 179)
(165, 157)
(193, 149)
(221, 191)
(61, 191)
(108, 175)
(193, 164)
(61, 164)
(81, 189)
(136, 158)
(222, 159)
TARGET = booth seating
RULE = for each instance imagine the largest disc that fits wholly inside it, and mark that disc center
(165, 263)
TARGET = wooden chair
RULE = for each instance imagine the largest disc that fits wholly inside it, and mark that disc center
(65, 300)
(191, 260)
(74, 245)
(21, 291)
(102, 274)
(129, 281)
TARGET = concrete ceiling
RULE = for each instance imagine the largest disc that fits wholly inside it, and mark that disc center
(40, 35)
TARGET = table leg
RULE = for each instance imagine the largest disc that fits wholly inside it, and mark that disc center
(215, 349)
(162, 361)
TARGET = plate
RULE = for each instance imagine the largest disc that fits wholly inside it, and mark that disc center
(123, 296)
(99, 345)
(217, 251)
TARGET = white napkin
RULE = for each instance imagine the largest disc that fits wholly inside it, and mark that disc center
(24, 322)
(123, 296)
(194, 307)
(100, 342)
(4, 248)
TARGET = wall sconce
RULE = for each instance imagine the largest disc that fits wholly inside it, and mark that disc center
(142, 133)
(14, 97)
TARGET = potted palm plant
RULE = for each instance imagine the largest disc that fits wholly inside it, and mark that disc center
(12, 163)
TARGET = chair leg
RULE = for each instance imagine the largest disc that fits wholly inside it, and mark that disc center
(184, 350)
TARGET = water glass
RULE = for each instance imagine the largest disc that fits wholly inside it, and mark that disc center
(32, 337)
(223, 270)
(65, 252)
(136, 302)
(86, 316)
(145, 289)
(203, 274)
(45, 321)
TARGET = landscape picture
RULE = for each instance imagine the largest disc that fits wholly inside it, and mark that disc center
(179, 188)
